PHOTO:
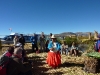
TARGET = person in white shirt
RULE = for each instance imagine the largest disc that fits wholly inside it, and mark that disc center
(74, 49)
(64, 47)
(15, 40)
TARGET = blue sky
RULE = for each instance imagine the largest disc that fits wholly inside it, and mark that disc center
(56, 16)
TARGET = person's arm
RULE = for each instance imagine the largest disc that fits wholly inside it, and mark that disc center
(71, 47)
(58, 46)
(50, 46)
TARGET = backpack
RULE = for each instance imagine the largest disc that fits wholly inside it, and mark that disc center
(4, 60)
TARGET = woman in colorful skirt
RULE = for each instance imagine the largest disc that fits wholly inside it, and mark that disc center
(53, 57)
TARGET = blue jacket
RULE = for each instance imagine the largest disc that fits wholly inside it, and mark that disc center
(33, 40)
(98, 45)
(50, 45)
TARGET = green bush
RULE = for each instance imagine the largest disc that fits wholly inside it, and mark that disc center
(70, 40)
(94, 54)
(59, 40)
(90, 44)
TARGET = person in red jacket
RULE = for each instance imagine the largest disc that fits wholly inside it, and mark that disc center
(9, 51)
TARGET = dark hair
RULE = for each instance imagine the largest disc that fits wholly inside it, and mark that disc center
(11, 49)
(21, 34)
(50, 34)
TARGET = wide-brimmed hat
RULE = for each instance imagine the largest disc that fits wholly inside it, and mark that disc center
(53, 37)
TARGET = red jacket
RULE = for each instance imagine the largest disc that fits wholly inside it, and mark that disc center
(8, 54)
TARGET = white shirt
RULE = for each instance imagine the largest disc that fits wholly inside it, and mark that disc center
(54, 46)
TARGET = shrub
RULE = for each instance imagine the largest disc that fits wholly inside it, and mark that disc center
(70, 40)
(59, 40)
(90, 44)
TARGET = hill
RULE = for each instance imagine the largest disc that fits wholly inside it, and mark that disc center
(77, 34)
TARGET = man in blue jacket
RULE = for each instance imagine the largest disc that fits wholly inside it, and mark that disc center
(33, 40)
(98, 44)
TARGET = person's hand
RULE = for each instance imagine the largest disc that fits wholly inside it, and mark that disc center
(52, 49)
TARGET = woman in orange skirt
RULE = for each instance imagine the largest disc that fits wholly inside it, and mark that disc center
(53, 57)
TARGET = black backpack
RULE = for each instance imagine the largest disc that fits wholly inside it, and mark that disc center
(4, 60)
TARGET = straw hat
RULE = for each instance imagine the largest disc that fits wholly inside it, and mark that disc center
(53, 36)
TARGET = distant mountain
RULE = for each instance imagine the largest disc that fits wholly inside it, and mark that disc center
(71, 33)
(77, 33)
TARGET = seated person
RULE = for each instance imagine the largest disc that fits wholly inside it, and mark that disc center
(24, 57)
(74, 49)
(9, 51)
(64, 47)
(16, 66)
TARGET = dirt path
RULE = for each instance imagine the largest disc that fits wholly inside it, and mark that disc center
(69, 66)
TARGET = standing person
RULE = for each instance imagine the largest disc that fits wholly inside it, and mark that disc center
(33, 40)
(50, 36)
(97, 45)
(46, 45)
(53, 57)
(22, 40)
(42, 42)
(15, 40)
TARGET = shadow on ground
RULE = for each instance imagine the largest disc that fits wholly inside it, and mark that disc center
(28, 51)
(67, 64)
(57, 73)
(38, 68)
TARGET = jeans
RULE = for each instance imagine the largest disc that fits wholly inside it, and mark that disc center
(42, 46)
(34, 46)
(65, 50)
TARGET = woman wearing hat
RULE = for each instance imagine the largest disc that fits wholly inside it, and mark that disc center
(53, 57)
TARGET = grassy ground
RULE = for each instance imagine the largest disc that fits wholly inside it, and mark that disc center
(70, 65)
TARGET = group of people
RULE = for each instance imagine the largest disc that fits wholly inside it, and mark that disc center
(18, 65)
(41, 41)
(20, 39)
(55, 51)
(69, 50)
